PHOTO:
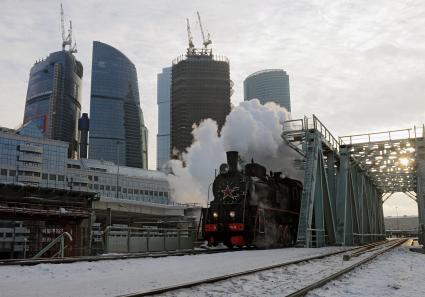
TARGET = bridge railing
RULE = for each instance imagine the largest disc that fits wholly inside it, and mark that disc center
(309, 123)
(292, 126)
(419, 131)
(386, 136)
(332, 141)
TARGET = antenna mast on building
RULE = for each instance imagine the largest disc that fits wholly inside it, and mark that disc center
(68, 39)
(206, 40)
(191, 47)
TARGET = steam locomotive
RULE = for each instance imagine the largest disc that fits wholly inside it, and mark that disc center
(251, 207)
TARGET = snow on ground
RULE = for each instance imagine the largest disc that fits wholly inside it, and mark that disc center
(117, 277)
(396, 273)
(280, 281)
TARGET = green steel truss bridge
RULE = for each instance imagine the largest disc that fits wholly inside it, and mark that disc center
(347, 179)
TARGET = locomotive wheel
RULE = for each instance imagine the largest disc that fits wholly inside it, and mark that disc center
(286, 236)
(281, 235)
(212, 242)
(228, 244)
(272, 235)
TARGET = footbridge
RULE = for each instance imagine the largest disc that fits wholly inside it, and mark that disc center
(347, 180)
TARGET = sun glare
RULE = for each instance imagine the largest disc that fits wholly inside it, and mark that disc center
(404, 161)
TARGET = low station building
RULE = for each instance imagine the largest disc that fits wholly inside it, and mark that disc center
(43, 194)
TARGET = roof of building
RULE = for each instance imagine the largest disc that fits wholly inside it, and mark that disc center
(265, 71)
(11, 133)
(111, 167)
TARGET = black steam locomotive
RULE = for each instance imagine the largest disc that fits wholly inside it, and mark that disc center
(251, 208)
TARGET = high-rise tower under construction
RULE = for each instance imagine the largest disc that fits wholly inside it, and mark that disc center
(200, 89)
(53, 103)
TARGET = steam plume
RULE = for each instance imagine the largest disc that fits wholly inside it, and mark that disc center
(252, 129)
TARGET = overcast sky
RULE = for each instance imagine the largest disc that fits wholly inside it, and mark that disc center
(358, 65)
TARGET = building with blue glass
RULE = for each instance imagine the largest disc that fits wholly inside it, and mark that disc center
(268, 85)
(53, 102)
(164, 114)
(43, 163)
(117, 130)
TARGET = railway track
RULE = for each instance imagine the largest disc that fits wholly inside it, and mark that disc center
(30, 262)
(322, 282)
(375, 248)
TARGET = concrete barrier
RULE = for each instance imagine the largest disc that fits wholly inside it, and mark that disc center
(139, 240)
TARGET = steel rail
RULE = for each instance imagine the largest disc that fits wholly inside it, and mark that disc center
(31, 262)
(159, 254)
(322, 282)
(242, 273)
(361, 251)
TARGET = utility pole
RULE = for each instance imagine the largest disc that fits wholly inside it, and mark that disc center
(25, 247)
(118, 169)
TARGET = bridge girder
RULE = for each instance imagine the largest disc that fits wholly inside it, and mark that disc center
(345, 180)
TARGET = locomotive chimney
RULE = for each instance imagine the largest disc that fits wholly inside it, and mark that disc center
(232, 160)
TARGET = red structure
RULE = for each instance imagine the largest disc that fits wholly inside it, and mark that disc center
(36, 216)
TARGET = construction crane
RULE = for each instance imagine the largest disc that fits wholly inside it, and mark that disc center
(190, 37)
(206, 40)
(67, 40)
(64, 41)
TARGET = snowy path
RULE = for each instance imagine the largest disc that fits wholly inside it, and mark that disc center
(117, 277)
(396, 273)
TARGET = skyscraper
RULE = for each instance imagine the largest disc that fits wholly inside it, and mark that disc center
(164, 114)
(268, 85)
(53, 103)
(83, 135)
(200, 90)
(117, 130)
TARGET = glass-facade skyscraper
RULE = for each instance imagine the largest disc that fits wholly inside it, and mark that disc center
(268, 85)
(117, 130)
(53, 102)
(164, 114)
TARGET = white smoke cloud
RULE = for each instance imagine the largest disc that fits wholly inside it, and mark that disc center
(252, 129)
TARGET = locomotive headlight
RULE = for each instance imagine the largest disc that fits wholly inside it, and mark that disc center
(232, 214)
(215, 214)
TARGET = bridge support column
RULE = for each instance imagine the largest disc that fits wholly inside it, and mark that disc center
(381, 225)
(316, 198)
(370, 217)
(344, 208)
(331, 176)
(359, 216)
(420, 187)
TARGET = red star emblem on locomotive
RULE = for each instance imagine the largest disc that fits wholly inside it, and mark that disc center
(227, 192)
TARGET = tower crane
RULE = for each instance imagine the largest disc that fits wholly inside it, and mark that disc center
(72, 48)
(67, 40)
(190, 37)
(206, 40)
